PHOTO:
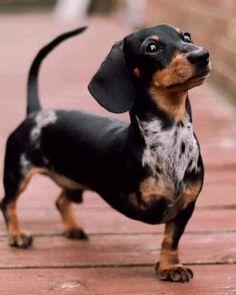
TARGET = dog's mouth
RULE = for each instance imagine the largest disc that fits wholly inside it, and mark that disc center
(201, 74)
(196, 79)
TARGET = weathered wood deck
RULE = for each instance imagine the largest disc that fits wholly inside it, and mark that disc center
(119, 257)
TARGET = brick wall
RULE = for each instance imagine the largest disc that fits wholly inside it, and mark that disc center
(212, 24)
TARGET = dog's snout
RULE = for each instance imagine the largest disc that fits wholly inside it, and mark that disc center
(198, 57)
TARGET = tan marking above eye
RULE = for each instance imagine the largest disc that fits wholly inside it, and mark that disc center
(155, 37)
(137, 73)
(177, 29)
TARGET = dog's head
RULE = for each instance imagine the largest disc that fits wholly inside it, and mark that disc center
(162, 57)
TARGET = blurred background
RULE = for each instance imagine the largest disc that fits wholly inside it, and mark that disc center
(211, 22)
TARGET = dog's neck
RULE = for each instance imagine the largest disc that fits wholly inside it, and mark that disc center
(172, 103)
(167, 106)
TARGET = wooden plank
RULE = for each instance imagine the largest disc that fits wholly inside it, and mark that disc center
(212, 220)
(216, 157)
(221, 195)
(216, 176)
(208, 280)
(134, 249)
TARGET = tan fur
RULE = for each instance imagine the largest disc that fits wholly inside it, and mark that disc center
(172, 103)
(14, 228)
(169, 257)
(169, 86)
(15, 233)
(170, 267)
(64, 205)
(177, 29)
(191, 193)
(152, 188)
(155, 37)
(178, 71)
(65, 182)
(59, 179)
(28, 176)
(13, 223)
(137, 73)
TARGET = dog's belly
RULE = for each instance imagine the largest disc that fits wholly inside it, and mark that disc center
(155, 203)
(153, 190)
(63, 181)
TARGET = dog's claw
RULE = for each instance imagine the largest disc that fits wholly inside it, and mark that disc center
(21, 240)
(174, 274)
(76, 234)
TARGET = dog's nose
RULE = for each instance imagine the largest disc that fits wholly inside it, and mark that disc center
(199, 57)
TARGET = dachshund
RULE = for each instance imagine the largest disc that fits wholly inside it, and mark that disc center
(150, 169)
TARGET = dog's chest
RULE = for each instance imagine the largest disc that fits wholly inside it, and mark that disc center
(169, 153)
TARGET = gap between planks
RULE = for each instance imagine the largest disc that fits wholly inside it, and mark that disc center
(59, 234)
(112, 265)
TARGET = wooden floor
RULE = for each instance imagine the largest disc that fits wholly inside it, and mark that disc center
(120, 254)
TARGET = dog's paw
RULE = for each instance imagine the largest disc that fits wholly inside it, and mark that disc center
(175, 273)
(76, 234)
(21, 240)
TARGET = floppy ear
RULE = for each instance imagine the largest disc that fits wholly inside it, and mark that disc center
(111, 86)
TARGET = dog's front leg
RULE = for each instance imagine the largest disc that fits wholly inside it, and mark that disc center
(169, 268)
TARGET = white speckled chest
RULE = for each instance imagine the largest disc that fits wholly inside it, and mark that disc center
(169, 153)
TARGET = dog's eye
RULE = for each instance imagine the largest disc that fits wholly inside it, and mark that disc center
(151, 47)
(186, 37)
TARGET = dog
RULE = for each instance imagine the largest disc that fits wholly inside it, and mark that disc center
(150, 169)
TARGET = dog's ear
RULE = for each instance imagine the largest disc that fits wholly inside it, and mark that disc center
(111, 86)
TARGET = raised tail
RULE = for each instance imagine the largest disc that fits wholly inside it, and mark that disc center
(33, 103)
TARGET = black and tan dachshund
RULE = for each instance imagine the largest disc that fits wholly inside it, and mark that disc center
(149, 169)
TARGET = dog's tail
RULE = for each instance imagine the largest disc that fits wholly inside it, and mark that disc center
(33, 103)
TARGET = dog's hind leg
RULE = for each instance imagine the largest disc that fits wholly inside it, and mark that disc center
(64, 205)
(14, 186)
